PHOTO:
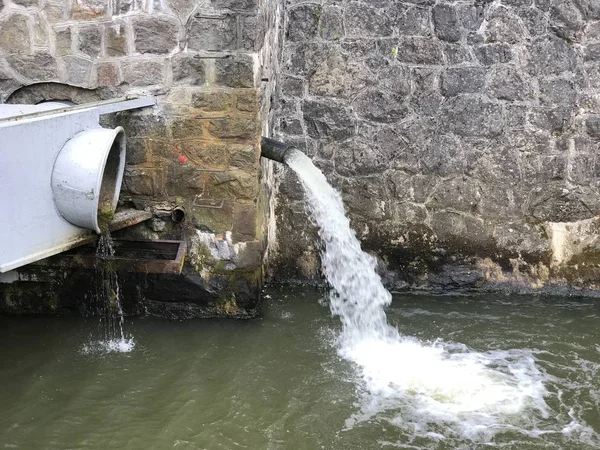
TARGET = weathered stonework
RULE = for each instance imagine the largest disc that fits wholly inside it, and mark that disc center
(463, 136)
(213, 67)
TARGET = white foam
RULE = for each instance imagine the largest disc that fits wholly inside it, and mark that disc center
(109, 346)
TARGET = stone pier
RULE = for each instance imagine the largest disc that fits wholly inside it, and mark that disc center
(212, 66)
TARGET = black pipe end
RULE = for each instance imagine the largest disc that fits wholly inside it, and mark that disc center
(274, 150)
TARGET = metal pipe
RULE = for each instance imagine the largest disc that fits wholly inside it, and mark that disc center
(275, 150)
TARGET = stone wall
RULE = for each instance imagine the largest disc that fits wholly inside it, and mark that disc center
(212, 66)
(463, 135)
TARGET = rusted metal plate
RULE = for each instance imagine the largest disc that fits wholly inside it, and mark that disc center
(130, 256)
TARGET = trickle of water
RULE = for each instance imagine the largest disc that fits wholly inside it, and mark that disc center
(432, 391)
(108, 299)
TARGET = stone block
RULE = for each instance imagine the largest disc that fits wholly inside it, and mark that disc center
(557, 92)
(444, 156)
(518, 3)
(358, 195)
(88, 9)
(26, 3)
(359, 157)
(590, 9)
(507, 83)
(380, 106)
(204, 154)
(291, 86)
(90, 40)
(188, 69)
(233, 128)
(247, 101)
(236, 5)
(554, 120)
(235, 71)
(213, 219)
(365, 20)
(332, 23)
(291, 126)
(328, 120)
(139, 150)
(245, 222)
(116, 40)
(550, 55)
(419, 50)
(186, 180)
(252, 33)
(468, 116)
(187, 128)
(143, 125)
(63, 38)
(461, 80)
(243, 156)
(412, 21)
(426, 98)
(40, 66)
(40, 31)
(338, 76)
(504, 27)
(303, 22)
(146, 72)
(148, 182)
(212, 33)
(78, 69)
(470, 16)
(592, 52)
(458, 193)
(566, 19)
(592, 126)
(234, 184)
(213, 100)
(446, 23)
(303, 58)
(14, 34)
(108, 74)
(155, 34)
(457, 54)
(490, 54)
(535, 21)
(54, 13)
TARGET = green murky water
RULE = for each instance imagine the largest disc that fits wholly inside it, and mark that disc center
(278, 382)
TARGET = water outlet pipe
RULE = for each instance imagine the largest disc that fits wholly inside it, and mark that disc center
(275, 150)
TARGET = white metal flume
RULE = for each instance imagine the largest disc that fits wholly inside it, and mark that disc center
(59, 169)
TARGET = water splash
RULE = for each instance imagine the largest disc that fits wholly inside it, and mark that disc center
(431, 391)
(108, 302)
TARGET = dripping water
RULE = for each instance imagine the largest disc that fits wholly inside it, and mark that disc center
(108, 301)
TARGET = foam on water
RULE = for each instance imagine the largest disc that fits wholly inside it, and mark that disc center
(110, 346)
(430, 390)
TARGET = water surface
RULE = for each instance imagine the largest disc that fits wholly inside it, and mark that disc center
(279, 382)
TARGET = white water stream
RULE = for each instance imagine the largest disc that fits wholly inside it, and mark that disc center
(108, 298)
(431, 390)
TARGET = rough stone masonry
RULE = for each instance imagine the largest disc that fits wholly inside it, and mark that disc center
(212, 65)
(463, 135)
